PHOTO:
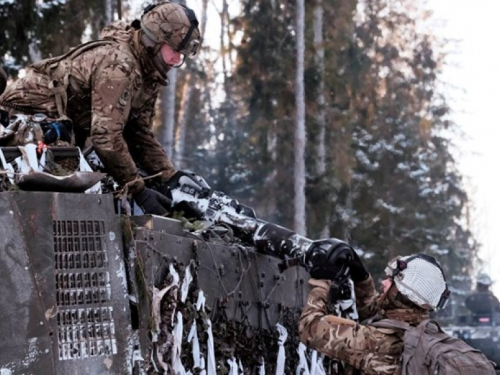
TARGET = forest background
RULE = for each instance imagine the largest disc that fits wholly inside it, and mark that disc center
(326, 116)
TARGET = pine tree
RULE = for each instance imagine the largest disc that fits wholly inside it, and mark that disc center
(406, 191)
(51, 27)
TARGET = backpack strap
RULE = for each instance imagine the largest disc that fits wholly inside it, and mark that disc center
(60, 94)
(411, 338)
(391, 323)
(433, 322)
(59, 85)
(45, 66)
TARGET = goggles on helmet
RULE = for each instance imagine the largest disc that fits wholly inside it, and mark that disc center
(188, 46)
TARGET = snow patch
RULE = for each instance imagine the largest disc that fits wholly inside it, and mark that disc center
(365, 161)
(121, 274)
(185, 284)
(436, 250)
(302, 366)
(386, 206)
(280, 364)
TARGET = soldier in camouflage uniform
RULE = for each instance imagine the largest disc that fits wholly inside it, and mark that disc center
(414, 286)
(482, 301)
(108, 88)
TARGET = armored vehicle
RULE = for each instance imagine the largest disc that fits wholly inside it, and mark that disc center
(86, 291)
(481, 332)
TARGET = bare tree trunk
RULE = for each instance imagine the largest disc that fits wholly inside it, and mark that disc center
(300, 129)
(180, 136)
(227, 62)
(320, 118)
(168, 113)
(34, 53)
(203, 23)
(109, 11)
(222, 44)
(320, 66)
(119, 8)
(182, 123)
(225, 13)
(349, 209)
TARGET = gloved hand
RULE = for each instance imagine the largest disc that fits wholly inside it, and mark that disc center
(329, 259)
(185, 183)
(56, 130)
(193, 183)
(358, 270)
(4, 118)
(152, 202)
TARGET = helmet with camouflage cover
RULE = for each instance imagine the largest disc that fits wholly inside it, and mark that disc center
(173, 24)
(420, 278)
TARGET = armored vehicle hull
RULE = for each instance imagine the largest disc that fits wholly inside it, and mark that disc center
(85, 291)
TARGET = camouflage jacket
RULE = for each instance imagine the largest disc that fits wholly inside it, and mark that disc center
(109, 89)
(364, 349)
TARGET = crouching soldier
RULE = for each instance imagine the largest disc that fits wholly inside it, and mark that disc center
(394, 322)
(107, 89)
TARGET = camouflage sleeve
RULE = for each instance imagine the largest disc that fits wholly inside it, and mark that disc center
(145, 149)
(366, 298)
(113, 86)
(371, 350)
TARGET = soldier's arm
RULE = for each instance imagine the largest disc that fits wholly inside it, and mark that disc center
(365, 348)
(113, 86)
(144, 147)
(469, 302)
(367, 298)
(496, 303)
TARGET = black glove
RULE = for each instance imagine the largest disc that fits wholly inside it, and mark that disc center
(152, 202)
(56, 130)
(358, 270)
(185, 182)
(329, 259)
(192, 183)
(4, 118)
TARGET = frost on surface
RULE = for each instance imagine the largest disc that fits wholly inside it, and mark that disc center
(199, 341)
(386, 206)
(280, 364)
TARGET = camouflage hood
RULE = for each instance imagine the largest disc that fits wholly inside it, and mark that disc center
(119, 31)
(122, 32)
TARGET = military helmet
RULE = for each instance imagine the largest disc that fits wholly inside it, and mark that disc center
(173, 24)
(420, 278)
(483, 279)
